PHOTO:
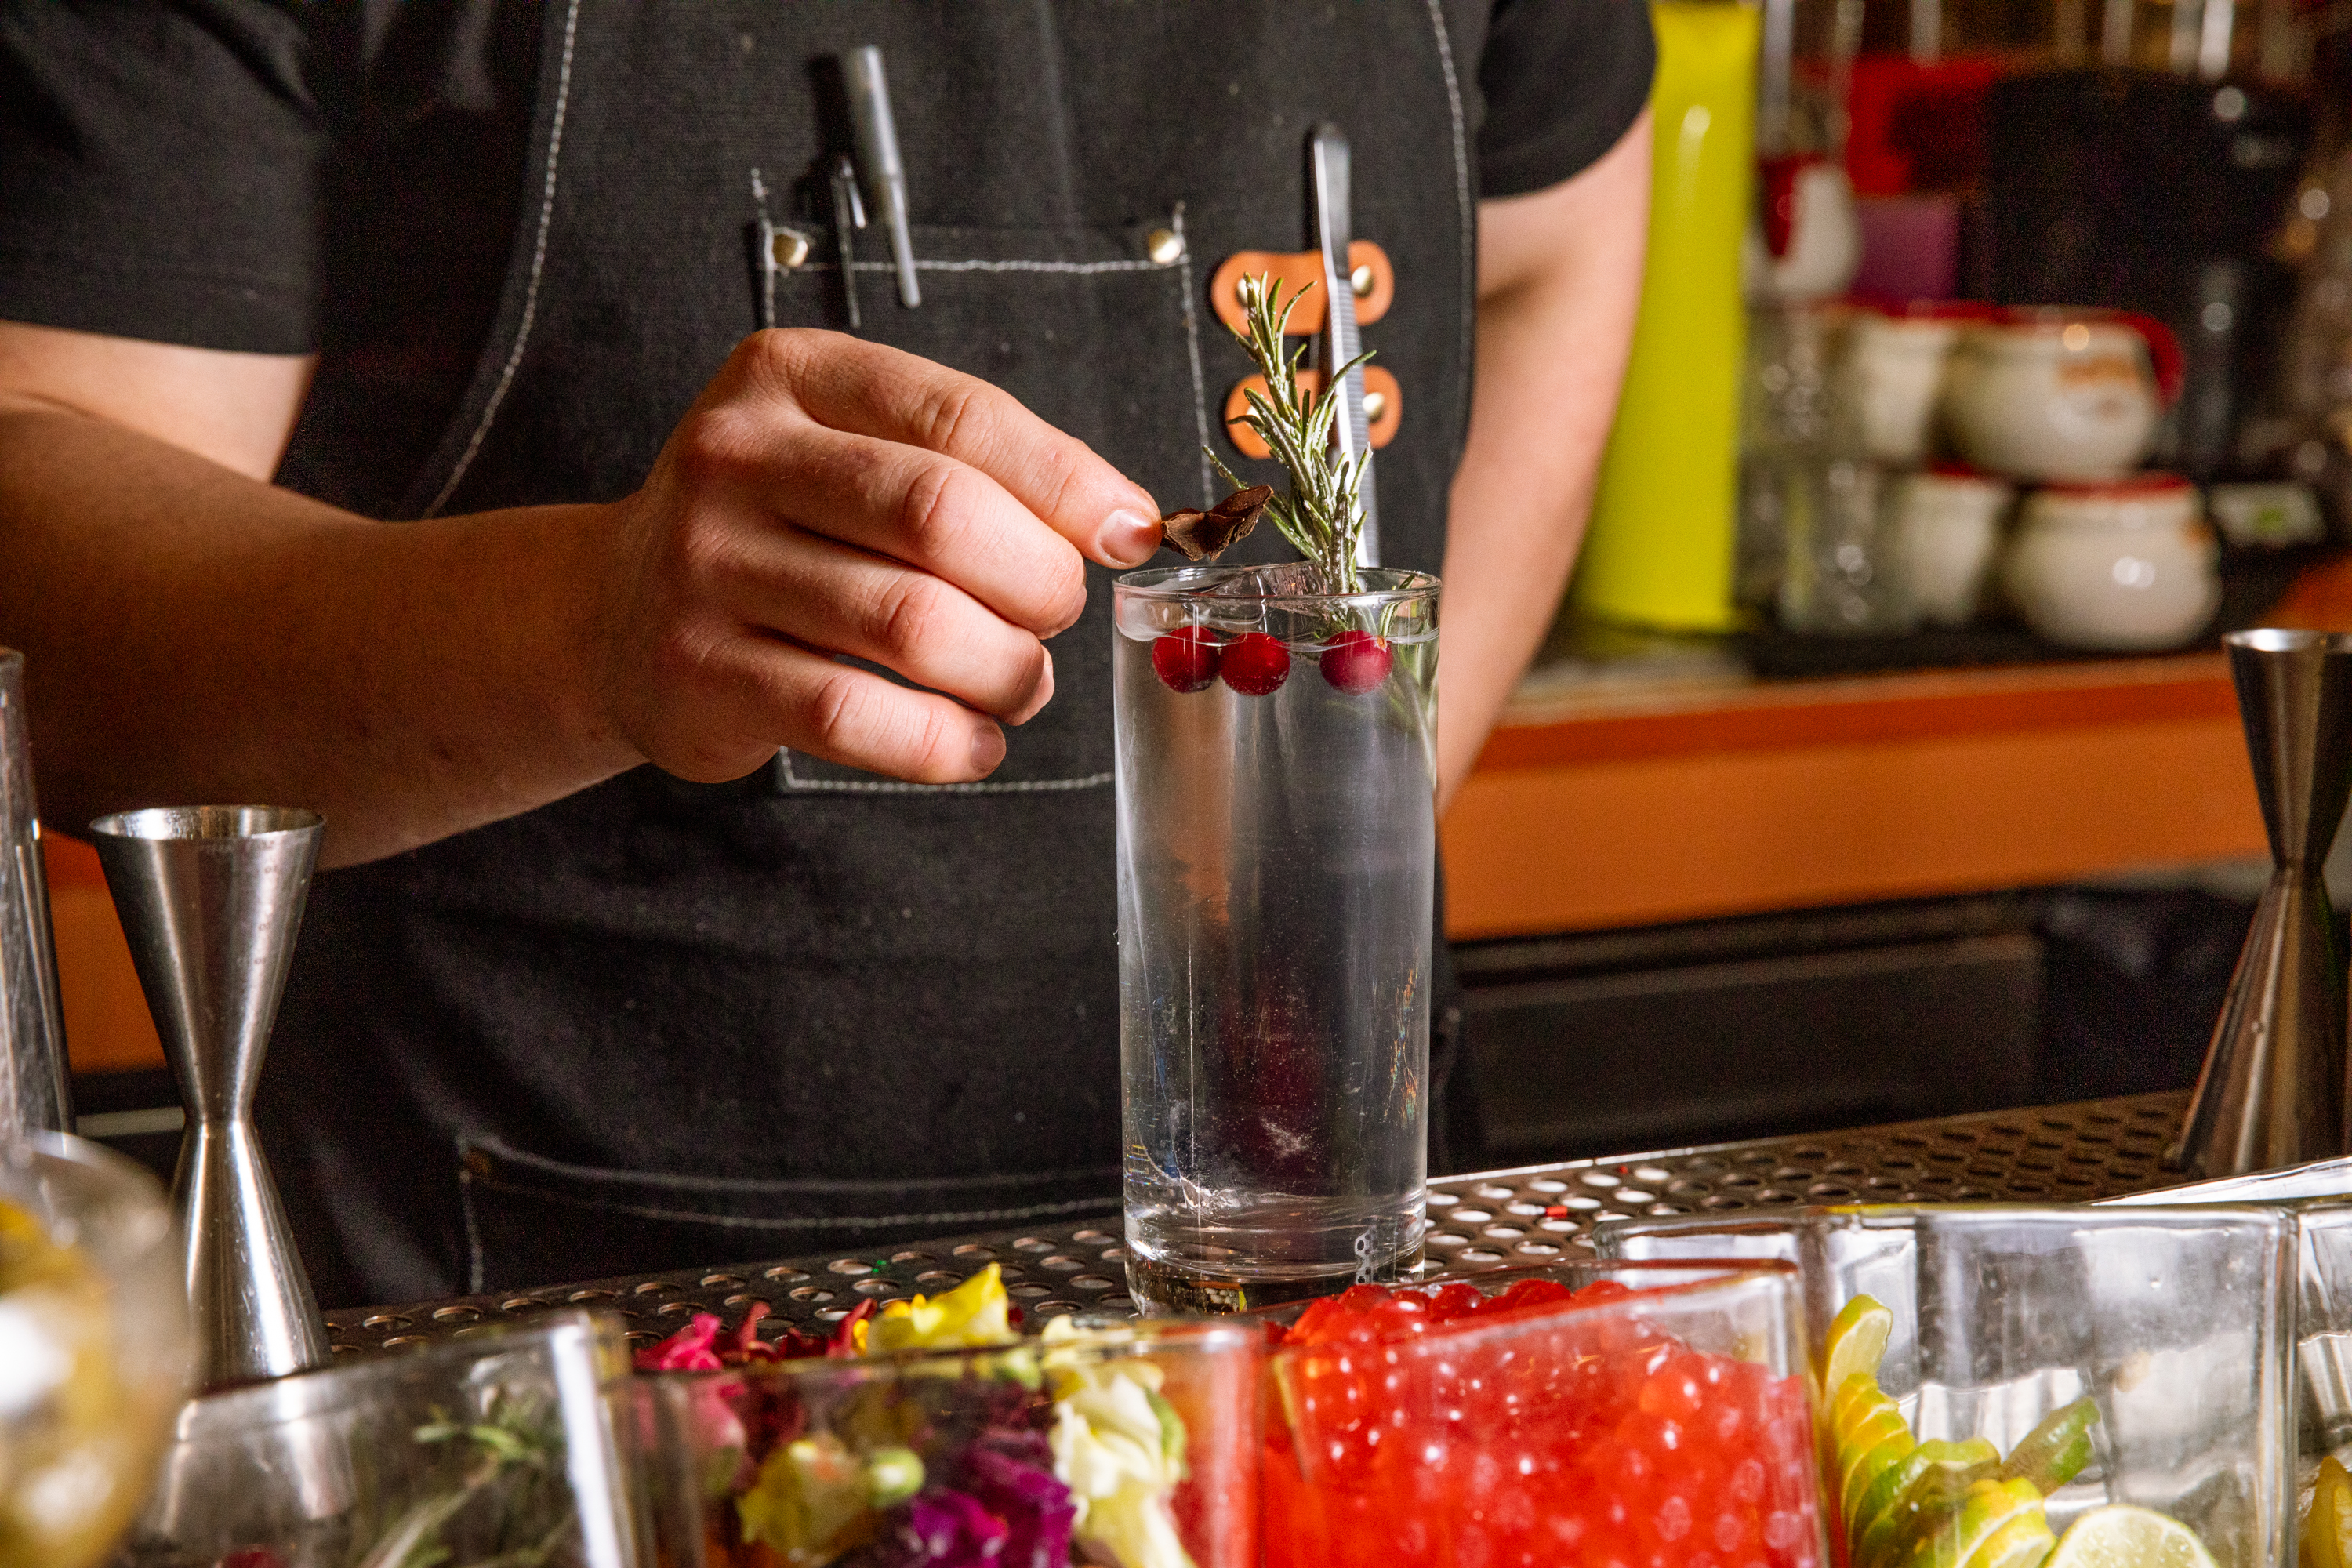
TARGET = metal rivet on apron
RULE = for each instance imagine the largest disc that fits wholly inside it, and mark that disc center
(1361, 280)
(790, 246)
(1165, 247)
(1375, 405)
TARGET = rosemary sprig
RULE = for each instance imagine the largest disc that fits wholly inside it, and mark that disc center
(1322, 516)
(511, 1476)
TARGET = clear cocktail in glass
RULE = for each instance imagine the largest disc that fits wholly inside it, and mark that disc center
(1276, 864)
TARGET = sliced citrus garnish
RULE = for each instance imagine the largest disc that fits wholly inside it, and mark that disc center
(2057, 1449)
(2023, 1542)
(1856, 1341)
(1944, 1519)
(2123, 1535)
(1975, 1456)
(2327, 1528)
(1984, 1508)
(1864, 1469)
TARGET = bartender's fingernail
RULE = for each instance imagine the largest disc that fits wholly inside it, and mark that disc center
(1039, 694)
(987, 748)
(1130, 537)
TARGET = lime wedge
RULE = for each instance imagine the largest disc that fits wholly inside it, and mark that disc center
(2023, 1542)
(2056, 1450)
(2327, 1528)
(1975, 1456)
(1944, 1518)
(1866, 1436)
(1878, 1426)
(2122, 1535)
(1984, 1508)
(1882, 1458)
(1857, 1339)
(1851, 1398)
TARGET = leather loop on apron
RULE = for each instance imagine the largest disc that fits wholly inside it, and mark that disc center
(1294, 270)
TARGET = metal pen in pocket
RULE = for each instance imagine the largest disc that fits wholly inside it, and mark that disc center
(876, 136)
(848, 216)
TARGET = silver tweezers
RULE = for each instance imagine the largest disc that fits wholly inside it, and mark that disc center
(1327, 161)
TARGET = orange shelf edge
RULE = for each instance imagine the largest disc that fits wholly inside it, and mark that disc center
(1636, 841)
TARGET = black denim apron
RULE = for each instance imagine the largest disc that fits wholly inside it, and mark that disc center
(658, 1024)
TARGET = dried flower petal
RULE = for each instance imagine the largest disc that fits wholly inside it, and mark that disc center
(810, 1497)
(744, 1344)
(1203, 535)
(694, 1348)
(972, 1314)
(944, 1528)
(1012, 1475)
(849, 1334)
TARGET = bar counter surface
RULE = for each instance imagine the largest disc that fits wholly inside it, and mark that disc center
(2040, 1154)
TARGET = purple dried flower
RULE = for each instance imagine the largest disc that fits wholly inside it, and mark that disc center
(1012, 1475)
(694, 1348)
(939, 1528)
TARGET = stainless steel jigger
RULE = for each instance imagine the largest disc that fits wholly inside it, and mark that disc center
(2273, 1090)
(211, 897)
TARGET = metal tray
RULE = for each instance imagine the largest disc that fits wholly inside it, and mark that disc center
(2055, 1153)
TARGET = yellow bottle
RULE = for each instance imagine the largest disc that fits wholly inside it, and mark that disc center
(1660, 549)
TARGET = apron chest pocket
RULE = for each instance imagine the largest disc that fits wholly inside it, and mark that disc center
(1097, 331)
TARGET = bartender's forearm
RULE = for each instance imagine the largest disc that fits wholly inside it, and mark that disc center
(194, 634)
(1560, 274)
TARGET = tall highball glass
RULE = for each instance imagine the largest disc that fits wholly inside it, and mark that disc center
(1276, 865)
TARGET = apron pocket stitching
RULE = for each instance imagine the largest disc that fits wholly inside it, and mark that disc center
(795, 782)
(978, 265)
(1181, 263)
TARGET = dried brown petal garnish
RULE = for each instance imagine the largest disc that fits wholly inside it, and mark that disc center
(1203, 535)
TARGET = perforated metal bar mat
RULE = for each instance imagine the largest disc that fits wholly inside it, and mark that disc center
(2055, 1153)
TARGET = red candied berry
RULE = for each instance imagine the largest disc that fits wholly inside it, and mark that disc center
(1356, 662)
(1527, 1293)
(1507, 1439)
(1308, 1328)
(1256, 663)
(1185, 659)
(1455, 1300)
(253, 1557)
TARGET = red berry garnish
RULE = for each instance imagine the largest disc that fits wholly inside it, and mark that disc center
(1256, 663)
(1185, 659)
(1445, 1427)
(1356, 662)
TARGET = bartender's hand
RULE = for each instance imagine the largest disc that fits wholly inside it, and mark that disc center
(829, 496)
(195, 633)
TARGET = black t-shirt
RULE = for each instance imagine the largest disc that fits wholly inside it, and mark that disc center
(291, 177)
(656, 1025)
